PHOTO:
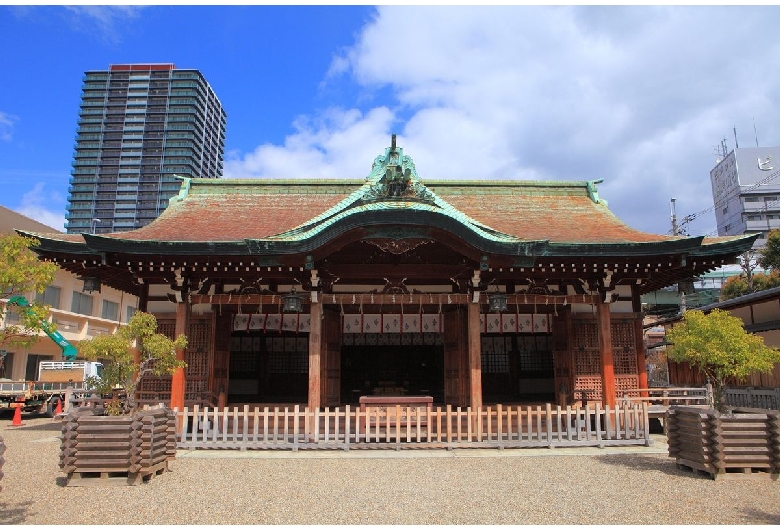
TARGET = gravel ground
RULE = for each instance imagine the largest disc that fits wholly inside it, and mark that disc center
(637, 488)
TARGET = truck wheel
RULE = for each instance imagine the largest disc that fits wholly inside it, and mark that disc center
(51, 408)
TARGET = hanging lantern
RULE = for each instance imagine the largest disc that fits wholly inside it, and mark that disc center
(91, 283)
(497, 301)
(293, 302)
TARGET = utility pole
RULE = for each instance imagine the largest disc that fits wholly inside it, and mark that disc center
(684, 286)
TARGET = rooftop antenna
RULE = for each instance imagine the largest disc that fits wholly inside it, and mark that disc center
(723, 147)
(736, 142)
(754, 130)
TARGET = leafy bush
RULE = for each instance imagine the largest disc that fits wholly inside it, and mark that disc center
(121, 368)
(718, 345)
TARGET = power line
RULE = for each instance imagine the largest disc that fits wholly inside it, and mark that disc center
(734, 193)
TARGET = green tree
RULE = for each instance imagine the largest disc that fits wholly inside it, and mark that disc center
(763, 281)
(719, 347)
(21, 272)
(121, 370)
(769, 256)
(739, 286)
(733, 287)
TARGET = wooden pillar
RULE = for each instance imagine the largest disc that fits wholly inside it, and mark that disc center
(605, 350)
(475, 357)
(639, 340)
(641, 357)
(177, 381)
(143, 298)
(315, 348)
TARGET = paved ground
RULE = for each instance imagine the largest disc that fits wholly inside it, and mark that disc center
(639, 485)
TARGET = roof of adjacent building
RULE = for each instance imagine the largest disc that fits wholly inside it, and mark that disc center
(11, 220)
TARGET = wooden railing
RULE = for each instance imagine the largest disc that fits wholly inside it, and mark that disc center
(657, 398)
(201, 399)
(669, 395)
(758, 398)
(401, 427)
(660, 399)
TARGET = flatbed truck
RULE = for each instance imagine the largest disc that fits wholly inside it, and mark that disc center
(54, 377)
(43, 394)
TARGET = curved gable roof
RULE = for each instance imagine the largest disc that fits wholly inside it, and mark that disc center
(539, 218)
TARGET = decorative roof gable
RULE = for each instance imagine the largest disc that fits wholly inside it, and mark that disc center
(392, 185)
(394, 177)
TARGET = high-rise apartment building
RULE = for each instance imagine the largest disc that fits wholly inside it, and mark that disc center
(139, 125)
(746, 192)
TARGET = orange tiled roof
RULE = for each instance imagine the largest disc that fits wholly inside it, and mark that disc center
(232, 210)
(558, 212)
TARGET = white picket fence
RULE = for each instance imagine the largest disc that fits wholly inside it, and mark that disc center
(402, 427)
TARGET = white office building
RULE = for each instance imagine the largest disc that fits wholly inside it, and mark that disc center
(746, 192)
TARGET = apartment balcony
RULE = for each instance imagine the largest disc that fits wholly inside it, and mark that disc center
(87, 145)
(81, 211)
(74, 327)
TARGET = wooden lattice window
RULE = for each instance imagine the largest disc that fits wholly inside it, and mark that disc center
(197, 358)
(587, 362)
(625, 383)
(167, 328)
(586, 335)
(590, 384)
(623, 335)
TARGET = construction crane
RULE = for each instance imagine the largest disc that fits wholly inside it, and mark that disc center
(69, 351)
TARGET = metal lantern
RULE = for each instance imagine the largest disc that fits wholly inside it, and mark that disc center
(293, 302)
(91, 283)
(497, 301)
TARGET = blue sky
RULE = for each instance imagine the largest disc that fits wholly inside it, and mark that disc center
(637, 96)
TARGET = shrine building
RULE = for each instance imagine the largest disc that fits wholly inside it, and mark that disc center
(317, 292)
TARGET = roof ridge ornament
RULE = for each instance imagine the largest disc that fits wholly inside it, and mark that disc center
(395, 177)
(183, 191)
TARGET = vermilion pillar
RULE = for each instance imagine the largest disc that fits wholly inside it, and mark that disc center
(641, 358)
(607, 359)
(475, 356)
(177, 381)
(315, 349)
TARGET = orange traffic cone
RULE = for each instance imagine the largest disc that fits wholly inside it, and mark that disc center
(58, 410)
(17, 422)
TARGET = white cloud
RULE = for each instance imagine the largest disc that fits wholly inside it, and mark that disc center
(107, 20)
(7, 122)
(37, 203)
(638, 96)
(337, 144)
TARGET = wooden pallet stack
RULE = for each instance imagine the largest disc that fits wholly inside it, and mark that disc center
(745, 442)
(2, 460)
(98, 450)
